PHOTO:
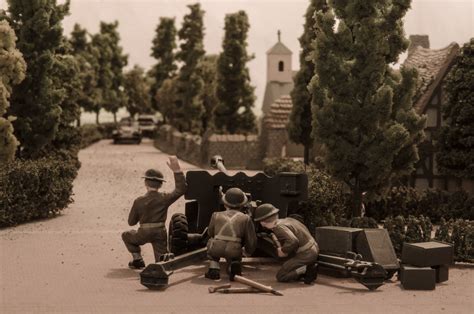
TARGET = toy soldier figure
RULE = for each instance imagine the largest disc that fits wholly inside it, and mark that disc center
(151, 211)
(294, 240)
(229, 230)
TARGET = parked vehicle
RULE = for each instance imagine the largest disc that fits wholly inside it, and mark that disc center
(148, 124)
(127, 130)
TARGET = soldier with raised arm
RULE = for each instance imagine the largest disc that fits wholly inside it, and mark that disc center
(151, 210)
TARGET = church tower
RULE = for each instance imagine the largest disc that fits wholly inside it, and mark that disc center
(279, 63)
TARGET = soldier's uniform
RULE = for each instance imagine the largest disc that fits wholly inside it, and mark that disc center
(229, 231)
(297, 242)
(151, 211)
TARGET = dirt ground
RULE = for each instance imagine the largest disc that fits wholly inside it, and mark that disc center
(77, 263)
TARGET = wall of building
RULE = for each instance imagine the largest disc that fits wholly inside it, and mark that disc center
(238, 151)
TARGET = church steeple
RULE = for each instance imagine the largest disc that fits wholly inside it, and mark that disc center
(279, 62)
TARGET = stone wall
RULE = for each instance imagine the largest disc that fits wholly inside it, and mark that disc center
(238, 151)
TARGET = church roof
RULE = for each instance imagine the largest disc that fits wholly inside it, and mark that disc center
(273, 91)
(279, 114)
(432, 65)
(279, 49)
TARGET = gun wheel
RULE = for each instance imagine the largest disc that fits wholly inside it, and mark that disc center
(178, 234)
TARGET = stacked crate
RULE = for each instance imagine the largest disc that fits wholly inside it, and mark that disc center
(425, 264)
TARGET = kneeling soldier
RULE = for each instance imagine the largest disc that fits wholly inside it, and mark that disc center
(294, 240)
(229, 230)
(151, 211)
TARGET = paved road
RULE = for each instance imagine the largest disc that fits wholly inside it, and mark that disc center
(76, 263)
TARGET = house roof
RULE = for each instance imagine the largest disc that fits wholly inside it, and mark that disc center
(273, 91)
(279, 49)
(279, 114)
(432, 65)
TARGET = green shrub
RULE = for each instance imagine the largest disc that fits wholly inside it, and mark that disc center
(90, 134)
(35, 189)
(326, 200)
(106, 129)
(460, 233)
(431, 203)
(273, 166)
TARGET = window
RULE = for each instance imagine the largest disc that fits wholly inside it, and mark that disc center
(281, 66)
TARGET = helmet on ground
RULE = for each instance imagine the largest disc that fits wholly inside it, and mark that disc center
(264, 211)
(154, 175)
(234, 198)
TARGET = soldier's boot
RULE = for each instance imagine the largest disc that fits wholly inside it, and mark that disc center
(213, 272)
(235, 269)
(311, 273)
(137, 262)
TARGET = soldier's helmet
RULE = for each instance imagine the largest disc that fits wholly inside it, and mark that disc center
(234, 198)
(264, 211)
(154, 175)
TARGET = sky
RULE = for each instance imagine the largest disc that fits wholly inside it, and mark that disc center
(445, 21)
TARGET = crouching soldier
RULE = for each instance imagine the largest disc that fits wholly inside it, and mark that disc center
(294, 240)
(150, 211)
(229, 230)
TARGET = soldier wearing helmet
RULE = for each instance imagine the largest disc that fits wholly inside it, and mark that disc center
(150, 211)
(229, 231)
(292, 239)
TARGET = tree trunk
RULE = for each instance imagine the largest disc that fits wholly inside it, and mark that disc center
(357, 200)
(78, 121)
(115, 117)
(306, 154)
(97, 117)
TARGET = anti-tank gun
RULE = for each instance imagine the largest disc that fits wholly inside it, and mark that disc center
(188, 232)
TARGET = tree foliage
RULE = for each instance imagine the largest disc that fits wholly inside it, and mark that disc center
(300, 124)
(85, 55)
(162, 50)
(362, 108)
(137, 89)
(188, 105)
(207, 70)
(111, 61)
(166, 97)
(36, 101)
(456, 140)
(233, 113)
(12, 72)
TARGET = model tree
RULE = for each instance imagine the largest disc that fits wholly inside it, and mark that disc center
(138, 91)
(162, 50)
(362, 108)
(207, 70)
(12, 72)
(188, 105)
(111, 62)
(88, 69)
(233, 113)
(300, 125)
(166, 97)
(36, 101)
(456, 145)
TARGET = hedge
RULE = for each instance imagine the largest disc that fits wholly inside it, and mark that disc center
(92, 133)
(35, 189)
(460, 233)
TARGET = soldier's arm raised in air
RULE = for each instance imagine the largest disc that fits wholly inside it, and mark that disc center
(250, 236)
(133, 216)
(289, 242)
(179, 182)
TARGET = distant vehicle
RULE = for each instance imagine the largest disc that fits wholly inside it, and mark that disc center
(148, 124)
(128, 130)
